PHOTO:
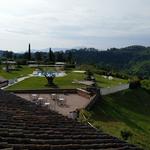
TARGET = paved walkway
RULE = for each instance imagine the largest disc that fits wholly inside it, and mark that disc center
(106, 91)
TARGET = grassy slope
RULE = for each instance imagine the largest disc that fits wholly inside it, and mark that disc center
(130, 110)
(64, 82)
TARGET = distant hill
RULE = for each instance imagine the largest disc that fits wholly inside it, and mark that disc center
(53, 49)
(126, 110)
(59, 49)
(133, 59)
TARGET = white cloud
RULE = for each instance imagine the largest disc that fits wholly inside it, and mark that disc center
(69, 23)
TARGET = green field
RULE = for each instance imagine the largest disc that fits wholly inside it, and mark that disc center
(41, 82)
(64, 82)
(24, 71)
(127, 110)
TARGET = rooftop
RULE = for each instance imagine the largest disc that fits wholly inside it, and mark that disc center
(24, 125)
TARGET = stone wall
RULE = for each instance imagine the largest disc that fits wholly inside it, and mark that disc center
(83, 93)
(45, 91)
(94, 99)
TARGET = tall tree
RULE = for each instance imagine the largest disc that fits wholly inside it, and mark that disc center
(8, 54)
(70, 58)
(51, 55)
(60, 56)
(26, 56)
(29, 52)
(38, 56)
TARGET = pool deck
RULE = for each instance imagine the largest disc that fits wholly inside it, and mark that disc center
(72, 102)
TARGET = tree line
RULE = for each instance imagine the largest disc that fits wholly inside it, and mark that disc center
(39, 56)
(133, 60)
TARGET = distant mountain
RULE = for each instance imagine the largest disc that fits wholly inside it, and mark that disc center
(79, 47)
(47, 49)
(57, 49)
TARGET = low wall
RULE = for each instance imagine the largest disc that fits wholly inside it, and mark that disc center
(80, 92)
(83, 93)
(106, 91)
(45, 91)
(93, 100)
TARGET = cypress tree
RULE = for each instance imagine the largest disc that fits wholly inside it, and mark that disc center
(51, 56)
(29, 52)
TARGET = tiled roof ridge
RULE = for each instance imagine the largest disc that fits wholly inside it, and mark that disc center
(24, 125)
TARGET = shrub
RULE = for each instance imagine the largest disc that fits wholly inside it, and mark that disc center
(135, 84)
(126, 134)
(89, 76)
(146, 84)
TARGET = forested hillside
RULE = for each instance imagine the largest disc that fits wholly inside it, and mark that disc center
(134, 60)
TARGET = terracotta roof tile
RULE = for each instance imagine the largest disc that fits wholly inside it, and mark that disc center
(24, 125)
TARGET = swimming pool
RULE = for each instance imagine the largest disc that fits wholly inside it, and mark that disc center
(42, 74)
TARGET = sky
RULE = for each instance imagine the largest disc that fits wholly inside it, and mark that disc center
(73, 23)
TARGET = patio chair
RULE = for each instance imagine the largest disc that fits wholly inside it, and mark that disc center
(40, 101)
(54, 96)
(34, 97)
(47, 105)
(61, 100)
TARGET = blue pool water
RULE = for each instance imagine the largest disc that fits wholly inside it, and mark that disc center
(56, 74)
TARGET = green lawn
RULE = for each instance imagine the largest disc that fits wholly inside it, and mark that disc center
(102, 82)
(64, 82)
(25, 70)
(126, 110)
(41, 82)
